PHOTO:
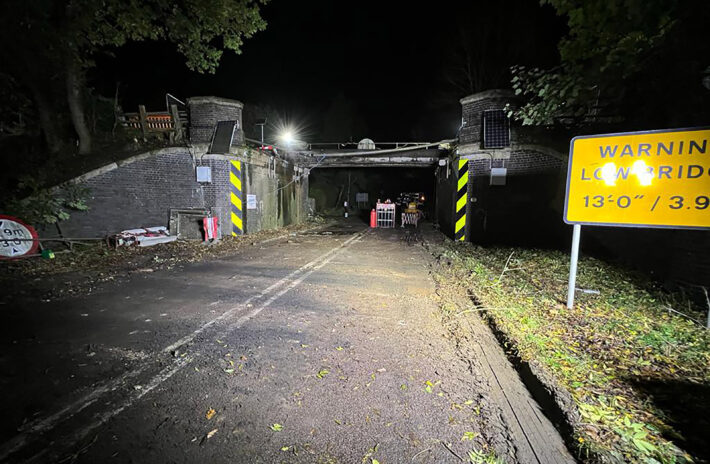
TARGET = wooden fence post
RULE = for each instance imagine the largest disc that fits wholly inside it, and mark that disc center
(143, 122)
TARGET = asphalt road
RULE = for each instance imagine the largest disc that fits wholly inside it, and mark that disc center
(324, 347)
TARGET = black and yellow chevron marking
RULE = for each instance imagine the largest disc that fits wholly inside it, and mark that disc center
(461, 201)
(235, 197)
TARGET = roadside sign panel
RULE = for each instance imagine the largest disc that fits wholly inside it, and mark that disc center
(640, 179)
(251, 201)
(362, 197)
(16, 238)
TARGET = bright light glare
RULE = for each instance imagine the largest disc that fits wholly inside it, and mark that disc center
(609, 173)
(287, 137)
(643, 172)
(289, 132)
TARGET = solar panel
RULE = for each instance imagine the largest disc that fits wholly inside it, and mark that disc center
(496, 129)
(222, 138)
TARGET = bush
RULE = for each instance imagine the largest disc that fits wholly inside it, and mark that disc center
(41, 206)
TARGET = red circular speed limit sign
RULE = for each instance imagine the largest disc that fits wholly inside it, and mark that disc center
(16, 238)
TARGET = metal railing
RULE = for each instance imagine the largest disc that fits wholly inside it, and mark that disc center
(344, 145)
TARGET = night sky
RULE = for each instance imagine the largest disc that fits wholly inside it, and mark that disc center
(351, 69)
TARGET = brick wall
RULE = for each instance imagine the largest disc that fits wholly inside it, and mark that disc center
(216, 194)
(446, 198)
(141, 191)
(525, 210)
(521, 162)
(205, 112)
(473, 106)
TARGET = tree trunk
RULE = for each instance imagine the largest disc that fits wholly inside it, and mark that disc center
(75, 85)
(47, 121)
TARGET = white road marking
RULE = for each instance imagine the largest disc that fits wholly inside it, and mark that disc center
(139, 393)
(42, 425)
(229, 313)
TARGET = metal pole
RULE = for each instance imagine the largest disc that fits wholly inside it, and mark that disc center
(573, 265)
(707, 300)
(262, 136)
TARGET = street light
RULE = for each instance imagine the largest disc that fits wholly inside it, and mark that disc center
(262, 123)
(287, 137)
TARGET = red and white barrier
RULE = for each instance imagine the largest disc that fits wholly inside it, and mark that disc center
(209, 225)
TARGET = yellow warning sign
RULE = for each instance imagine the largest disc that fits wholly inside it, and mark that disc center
(640, 179)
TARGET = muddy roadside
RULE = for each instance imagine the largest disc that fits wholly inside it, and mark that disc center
(603, 371)
(536, 425)
(91, 266)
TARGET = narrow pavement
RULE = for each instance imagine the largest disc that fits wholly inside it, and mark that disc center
(323, 347)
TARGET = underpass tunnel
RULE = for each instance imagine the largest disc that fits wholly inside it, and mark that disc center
(331, 187)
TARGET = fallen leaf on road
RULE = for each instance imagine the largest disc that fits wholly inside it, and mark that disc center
(322, 373)
(340, 348)
(285, 448)
(375, 461)
(276, 427)
(211, 433)
(210, 413)
(229, 371)
(469, 436)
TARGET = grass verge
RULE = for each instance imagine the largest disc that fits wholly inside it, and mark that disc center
(638, 373)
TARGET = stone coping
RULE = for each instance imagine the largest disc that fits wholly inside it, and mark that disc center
(197, 151)
(488, 95)
(215, 100)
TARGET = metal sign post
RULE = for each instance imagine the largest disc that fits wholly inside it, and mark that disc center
(576, 231)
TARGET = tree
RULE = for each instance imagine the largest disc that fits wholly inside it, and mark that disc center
(57, 40)
(17, 115)
(622, 59)
(483, 46)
